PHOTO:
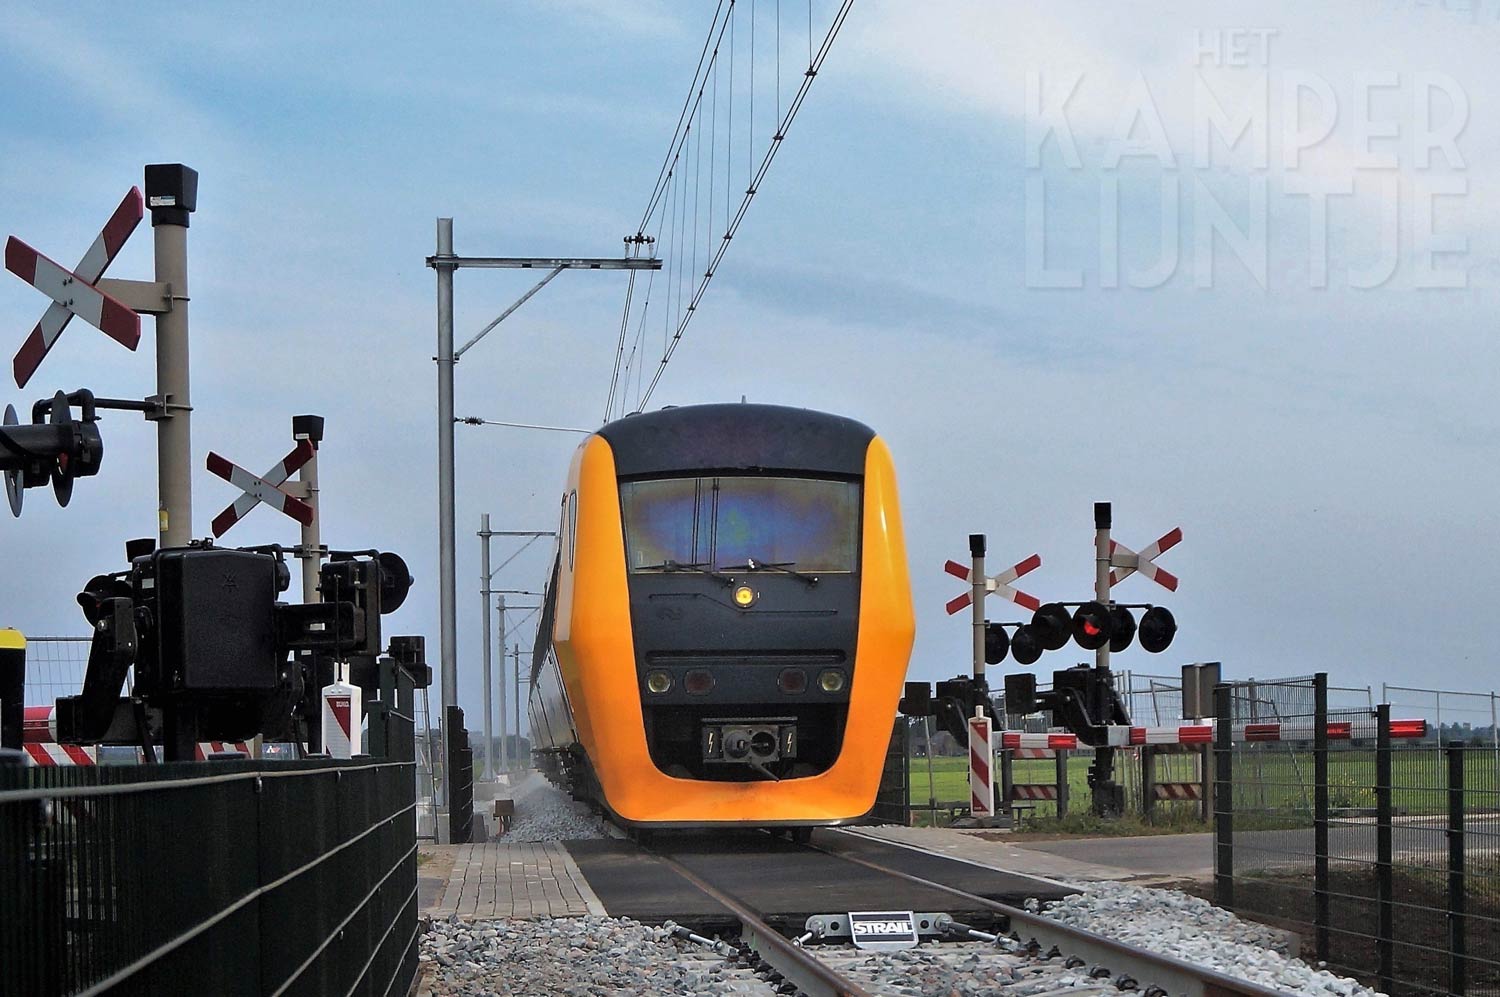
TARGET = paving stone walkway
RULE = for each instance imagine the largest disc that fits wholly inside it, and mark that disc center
(495, 879)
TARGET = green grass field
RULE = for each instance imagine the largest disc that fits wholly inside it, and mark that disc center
(1267, 779)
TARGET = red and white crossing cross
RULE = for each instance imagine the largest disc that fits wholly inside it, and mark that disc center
(265, 488)
(73, 291)
(1125, 561)
(998, 584)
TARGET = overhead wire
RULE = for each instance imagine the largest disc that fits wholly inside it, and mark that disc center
(521, 550)
(677, 132)
(684, 280)
(814, 65)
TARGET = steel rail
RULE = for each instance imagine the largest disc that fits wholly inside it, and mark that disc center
(800, 968)
(1147, 968)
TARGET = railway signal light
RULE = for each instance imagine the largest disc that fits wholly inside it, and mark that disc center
(1121, 628)
(1092, 625)
(996, 643)
(1157, 629)
(1052, 625)
(56, 451)
(1026, 646)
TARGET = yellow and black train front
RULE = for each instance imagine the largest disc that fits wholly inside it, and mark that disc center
(730, 619)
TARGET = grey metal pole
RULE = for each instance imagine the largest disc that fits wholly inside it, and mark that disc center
(504, 751)
(489, 679)
(447, 583)
(310, 428)
(172, 193)
(1101, 569)
(976, 578)
(1494, 732)
(519, 759)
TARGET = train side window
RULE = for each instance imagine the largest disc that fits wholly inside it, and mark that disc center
(572, 527)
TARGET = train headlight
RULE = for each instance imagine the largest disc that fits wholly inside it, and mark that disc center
(658, 682)
(831, 680)
(744, 597)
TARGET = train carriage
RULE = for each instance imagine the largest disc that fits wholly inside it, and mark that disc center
(727, 627)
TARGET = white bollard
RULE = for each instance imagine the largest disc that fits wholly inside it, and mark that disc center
(342, 712)
(981, 766)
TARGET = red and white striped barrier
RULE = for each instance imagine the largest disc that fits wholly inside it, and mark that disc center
(50, 753)
(981, 768)
(1179, 791)
(1121, 736)
(39, 742)
(1025, 741)
(1033, 791)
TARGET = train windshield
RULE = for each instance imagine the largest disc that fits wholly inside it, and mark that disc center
(722, 523)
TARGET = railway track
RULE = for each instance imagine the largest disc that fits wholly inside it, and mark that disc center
(1028, 954)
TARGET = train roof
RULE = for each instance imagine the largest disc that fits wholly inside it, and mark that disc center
(737, 437)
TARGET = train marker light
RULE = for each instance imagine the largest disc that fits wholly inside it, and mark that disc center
(996, 643)
(658, 682)
(1092, 626)
(831, 680)
(744, 597)
(1157, 629)
(1052, 626)
(1025, 646)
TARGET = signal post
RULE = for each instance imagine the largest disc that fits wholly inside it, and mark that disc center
(1083, 698)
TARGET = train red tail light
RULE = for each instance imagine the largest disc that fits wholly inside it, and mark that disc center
(698, 682)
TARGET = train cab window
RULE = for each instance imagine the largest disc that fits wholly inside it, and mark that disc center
(721, 523)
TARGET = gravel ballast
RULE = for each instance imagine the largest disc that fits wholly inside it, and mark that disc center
(1195, 931)
(574, 957)
(546, 813)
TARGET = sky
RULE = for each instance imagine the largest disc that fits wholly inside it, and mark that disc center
(1231, 266)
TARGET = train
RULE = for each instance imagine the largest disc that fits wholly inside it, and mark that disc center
(728, 622)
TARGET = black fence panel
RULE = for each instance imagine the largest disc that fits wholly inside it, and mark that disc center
(893, 798)
(229, 877)
(460, 766)
(1384, 854)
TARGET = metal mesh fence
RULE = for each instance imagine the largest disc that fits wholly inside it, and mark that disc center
(1380, 853)
(191, 878)
(55, 667)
